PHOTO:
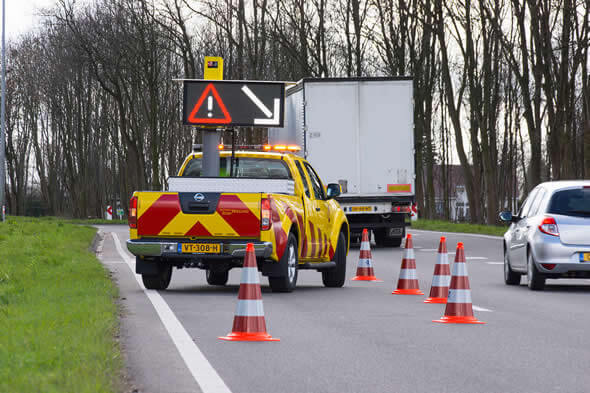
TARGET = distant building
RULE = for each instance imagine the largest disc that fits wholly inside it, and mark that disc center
(451, 179)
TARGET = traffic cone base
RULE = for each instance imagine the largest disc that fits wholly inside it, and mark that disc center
(437, 300)
(366, 278)
(407, 292)
(458, 319)
(259, 336)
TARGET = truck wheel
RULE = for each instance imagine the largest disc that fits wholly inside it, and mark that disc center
(335, 278)
(382, 240)
(160, 280)
(216, 278)
(288, 266)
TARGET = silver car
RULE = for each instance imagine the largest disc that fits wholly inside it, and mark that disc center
(550, 235)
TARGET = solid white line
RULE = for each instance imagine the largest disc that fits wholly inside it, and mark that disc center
(476, 258)
(429, 249)
(495, 263)
(202, 371)
(457, 233)
(477, 308)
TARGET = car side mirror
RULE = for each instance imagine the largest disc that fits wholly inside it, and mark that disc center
(506, 216)
(333, 190)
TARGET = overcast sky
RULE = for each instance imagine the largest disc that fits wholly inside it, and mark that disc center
(21, 15)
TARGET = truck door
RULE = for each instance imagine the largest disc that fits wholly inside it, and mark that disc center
(320, 214)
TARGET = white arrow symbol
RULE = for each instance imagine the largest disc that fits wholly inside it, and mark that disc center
(273, 117)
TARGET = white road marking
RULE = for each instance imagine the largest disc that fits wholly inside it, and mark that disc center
(458, 233)
(495, 263)
(202, 371)
(477, 308)
(112, 262)
(476, 258)
(429, 249)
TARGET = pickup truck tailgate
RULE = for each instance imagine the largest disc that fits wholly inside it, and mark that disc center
(198, 215)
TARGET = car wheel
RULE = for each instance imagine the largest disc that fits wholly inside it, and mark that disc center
(510, 276)
(161, 280)
(288, 265)
(536, 279)
(336, 277)
(216, 278)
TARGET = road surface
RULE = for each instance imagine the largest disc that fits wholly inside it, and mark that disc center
(358, 338)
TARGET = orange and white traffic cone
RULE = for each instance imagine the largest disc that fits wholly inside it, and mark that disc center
(439, 290)
(459, 308)
(364, 270)
(249, 323)
(407, 284)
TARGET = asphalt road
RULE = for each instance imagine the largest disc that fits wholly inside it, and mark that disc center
(360, 338)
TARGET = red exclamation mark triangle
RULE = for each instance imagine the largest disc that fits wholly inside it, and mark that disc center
(210, 89)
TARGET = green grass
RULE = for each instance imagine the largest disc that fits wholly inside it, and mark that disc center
(447, 226)
(86, 221)
(58, 317)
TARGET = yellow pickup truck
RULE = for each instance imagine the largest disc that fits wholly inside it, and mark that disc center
(274, 200)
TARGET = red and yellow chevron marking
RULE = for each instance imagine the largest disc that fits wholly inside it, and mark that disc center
(160, 214)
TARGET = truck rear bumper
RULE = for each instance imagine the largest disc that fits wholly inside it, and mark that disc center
(230, 249)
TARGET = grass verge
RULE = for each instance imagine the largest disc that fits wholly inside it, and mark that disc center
(86, 221)
(447, 226)
(58, 317)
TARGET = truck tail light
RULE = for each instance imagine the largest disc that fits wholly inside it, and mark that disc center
(549, 226)
(265, 214)
(401, 209)
(132, 217)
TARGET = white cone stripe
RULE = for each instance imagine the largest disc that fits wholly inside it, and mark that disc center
(250, 276)
(459, 296)
(442, 259)
(409, 254)
(365, 246)
(365, 262)
(441, 281)
(459, 269)
(408, 274)
(250, 308)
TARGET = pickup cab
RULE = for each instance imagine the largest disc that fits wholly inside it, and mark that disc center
(274, 200)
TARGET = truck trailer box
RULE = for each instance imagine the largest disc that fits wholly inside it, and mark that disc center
(358, 132)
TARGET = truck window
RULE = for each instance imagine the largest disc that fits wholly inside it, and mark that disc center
(316, 184)
(244, 167)
(303, 178)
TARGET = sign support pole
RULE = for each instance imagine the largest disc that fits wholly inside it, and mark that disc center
(213, 70)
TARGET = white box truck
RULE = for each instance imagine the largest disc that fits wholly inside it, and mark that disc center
(358, 132)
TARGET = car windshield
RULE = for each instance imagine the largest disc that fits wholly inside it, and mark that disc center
(244, 167)
(574, 202)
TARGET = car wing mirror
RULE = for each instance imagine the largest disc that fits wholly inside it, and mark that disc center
(506, 216)
(333, 190)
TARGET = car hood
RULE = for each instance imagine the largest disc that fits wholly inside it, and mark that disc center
(573, 230)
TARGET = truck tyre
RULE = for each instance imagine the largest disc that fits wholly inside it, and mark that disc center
(217, 278)
(160, 280)
(335, 278)
(381, 239)
(288, 266)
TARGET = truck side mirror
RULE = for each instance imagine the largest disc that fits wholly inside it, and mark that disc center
(333, 190)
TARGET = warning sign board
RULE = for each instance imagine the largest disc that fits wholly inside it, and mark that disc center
(234, 103)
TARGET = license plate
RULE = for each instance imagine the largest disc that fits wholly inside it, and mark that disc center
(361, 209)
(585, 257)
(201, 248)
